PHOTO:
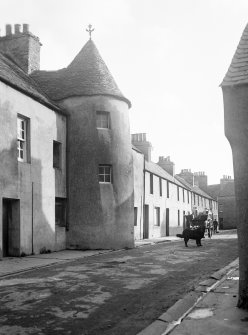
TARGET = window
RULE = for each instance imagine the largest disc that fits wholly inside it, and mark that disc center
(22, 139)
(105, 174)
(56, 155)
(177, 193)
(151, 183)
(160, 187)
(102, 120)
(157, 216)
(188, 196)
(194, 198)
(168, 189)
(135, 215)
(178, 217)
(183, 196)
(60, 212)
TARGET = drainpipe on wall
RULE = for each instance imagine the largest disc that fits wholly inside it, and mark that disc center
(32, 210)
(144, 190)
(67, 174)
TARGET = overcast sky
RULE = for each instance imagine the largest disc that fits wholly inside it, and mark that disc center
(167, 56)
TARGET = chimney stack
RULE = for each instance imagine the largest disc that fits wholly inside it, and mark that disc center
(22, 47)
(201, 180)
(166, 164)
(8, 28)
(25, 28)
(17, 28)
(140, 142)
(188, 176)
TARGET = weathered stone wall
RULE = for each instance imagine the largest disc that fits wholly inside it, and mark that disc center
(33, 182)
(99, 215)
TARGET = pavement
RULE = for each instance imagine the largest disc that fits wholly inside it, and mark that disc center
(209, 309)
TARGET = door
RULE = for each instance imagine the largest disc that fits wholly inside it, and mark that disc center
(184, 220)
(167, 221)
(6, 224)
(11, 227)
(146, 222)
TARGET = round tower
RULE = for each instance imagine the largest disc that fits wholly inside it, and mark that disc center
(99, 152)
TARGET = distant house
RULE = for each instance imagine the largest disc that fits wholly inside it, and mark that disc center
(162, 199)
(224, 193)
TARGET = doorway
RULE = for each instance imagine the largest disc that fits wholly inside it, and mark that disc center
(11, 227)
(146, 222)
(184, 220)
(167, 222)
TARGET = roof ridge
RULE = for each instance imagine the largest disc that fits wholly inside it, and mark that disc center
(86, 75)
(12, 74)
(238, 74)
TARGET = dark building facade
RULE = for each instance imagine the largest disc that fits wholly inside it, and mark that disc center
(224, 193)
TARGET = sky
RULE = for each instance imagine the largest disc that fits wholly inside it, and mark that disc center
(167, 56)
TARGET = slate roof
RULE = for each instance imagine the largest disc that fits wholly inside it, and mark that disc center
(214, 190)
(87, 75)
(157, 170)
(238, 70)
(12, 75)
(222, 190)
(194, 188)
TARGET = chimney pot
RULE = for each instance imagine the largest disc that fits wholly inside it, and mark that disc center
(8, 28)
(17, 28)
(25, 28)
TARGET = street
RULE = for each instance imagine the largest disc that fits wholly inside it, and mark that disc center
(120, 292)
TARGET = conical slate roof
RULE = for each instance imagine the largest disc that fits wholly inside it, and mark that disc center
(87, 75)
(238, 70)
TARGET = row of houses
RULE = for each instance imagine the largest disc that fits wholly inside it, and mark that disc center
(70, 176)
(162, 200)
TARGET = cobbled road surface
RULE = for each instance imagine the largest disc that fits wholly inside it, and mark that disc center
(116, 293)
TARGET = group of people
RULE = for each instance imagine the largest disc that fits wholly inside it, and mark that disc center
(211, 227)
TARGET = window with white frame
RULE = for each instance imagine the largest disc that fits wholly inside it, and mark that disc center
(105, 174)
(157, 216)
(22, 139)
(102, 120)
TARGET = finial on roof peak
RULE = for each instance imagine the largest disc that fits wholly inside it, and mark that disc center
(90, 30)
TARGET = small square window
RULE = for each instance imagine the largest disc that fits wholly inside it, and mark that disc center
(105, 174)
(56, 155)
(102, 120)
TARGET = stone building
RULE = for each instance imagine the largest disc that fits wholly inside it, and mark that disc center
(63, 181)
(224, 193)
(201, 201)
(69, 175)
(161, 198)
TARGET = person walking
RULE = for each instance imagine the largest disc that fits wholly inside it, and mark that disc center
(215, 223)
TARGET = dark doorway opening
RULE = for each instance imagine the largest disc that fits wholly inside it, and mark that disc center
(146, 222)
(11, 227)
(167, 222)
